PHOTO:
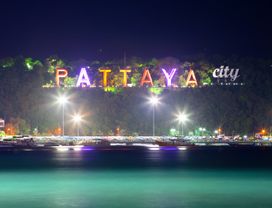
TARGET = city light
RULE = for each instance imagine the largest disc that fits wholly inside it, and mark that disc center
(182, 148)
(77, 147)
(182, 118)
(77, 118)
(201, 129)
(62, 99)
(62, 148)
(154, 148)
(173, 132)
(154, 100)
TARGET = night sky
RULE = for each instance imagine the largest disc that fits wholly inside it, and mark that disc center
(105, 29)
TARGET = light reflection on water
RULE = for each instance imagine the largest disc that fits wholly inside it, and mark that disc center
(136, 179)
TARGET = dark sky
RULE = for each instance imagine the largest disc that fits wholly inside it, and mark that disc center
(105, 29)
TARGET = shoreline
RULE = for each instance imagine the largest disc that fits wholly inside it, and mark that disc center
(117, 142)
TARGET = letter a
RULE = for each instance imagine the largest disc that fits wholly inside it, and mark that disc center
(146, 78)
(83, 78)
(191, 79)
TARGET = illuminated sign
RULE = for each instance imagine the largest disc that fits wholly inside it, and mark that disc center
(191, 79)
(226, 73)
(164, 77)
(169, 76)
(105, 76)
(125, 76)
(146, 78)
(83, 78)
(60, 73)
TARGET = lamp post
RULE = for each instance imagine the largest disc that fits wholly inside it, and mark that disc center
(62, 100)
(182, 118)
(77, 119)
(202, 130)
(154, 100)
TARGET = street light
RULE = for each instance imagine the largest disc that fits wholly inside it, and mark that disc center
(77, 119)
(182, 118)
(62, 100)
(154, 100)
(202, 130)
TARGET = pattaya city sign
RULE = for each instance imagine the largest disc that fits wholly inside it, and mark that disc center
(164, 77)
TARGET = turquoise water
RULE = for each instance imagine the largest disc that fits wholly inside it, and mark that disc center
(149, 188)
(135, 179)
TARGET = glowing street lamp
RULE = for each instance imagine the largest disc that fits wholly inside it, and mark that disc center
(202, 130)
(182, 118)
(154, 100)
(62, 100)
(77, 119)
(263, 132)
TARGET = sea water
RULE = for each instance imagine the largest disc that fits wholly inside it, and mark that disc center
(214, 177)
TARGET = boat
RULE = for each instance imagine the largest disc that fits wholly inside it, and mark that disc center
(173, 142)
